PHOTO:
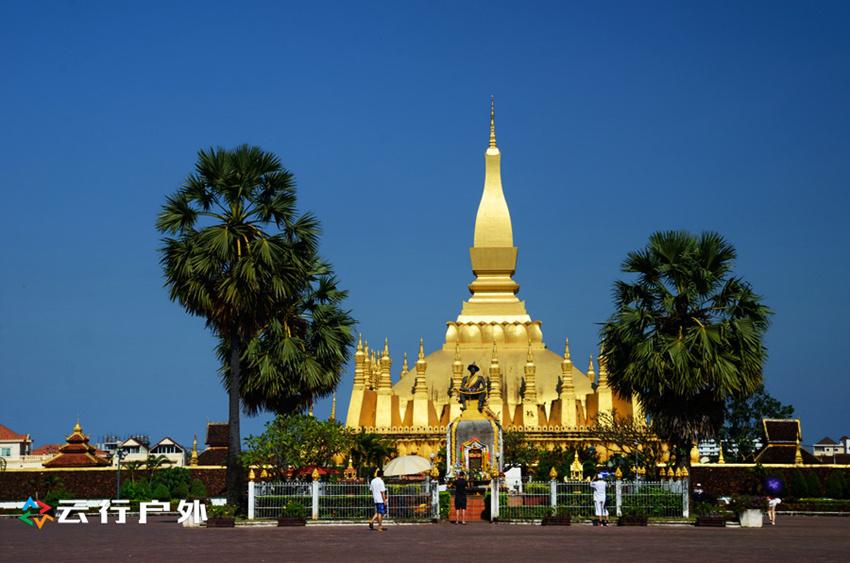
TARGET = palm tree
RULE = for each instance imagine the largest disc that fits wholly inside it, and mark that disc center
(132, 467)
(154, 462)
(686, 334)
(370, 451)
(237, 253)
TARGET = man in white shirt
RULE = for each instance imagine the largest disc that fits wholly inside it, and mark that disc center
(599, 485)
(379, 495)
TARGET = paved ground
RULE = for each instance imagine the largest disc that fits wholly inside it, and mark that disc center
(795, 538)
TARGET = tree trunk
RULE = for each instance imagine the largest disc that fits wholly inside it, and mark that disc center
(234, 479)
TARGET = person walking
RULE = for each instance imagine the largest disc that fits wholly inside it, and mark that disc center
(460, 499)
(599, 486)
(379, 496)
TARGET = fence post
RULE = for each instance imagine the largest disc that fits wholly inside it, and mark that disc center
(553, 493)
(435, 499)
(251, 497)
(618, 488)
(494, 499)
(315, 494)
(686, 508)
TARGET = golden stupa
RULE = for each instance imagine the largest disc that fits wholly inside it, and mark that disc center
(532, 389)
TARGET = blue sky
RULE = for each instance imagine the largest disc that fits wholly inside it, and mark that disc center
(614, 119)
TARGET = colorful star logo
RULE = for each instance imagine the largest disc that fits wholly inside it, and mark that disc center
(31, 519)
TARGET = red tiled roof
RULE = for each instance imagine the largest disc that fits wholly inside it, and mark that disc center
(47, 449)
(77, 452)
(7, 433)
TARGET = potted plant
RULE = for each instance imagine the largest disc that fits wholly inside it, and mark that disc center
(221, 516)
(633, 516)
(711, 515)
(749, 510)
(292, 514)
(558, 516)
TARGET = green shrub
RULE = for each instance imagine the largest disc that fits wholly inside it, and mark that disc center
(138, 491)
(815, 489)
(221, 510)
(160, 492)
(197, 489)
(293, 510)
(835, 486)
(445, 504)
(799, 484)
(174, 479)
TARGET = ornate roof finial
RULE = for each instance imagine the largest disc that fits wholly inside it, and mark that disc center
(492, 121)
(194, 459)
(77, 427)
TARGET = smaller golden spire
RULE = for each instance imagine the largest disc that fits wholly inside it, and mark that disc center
(404, 368)
(333, 407)
(360, 342)
(194, 459)
(386, 353)
(421, 348)
(720, 458)
(567, 350)
(492, 121)
(591, 374)
(310, 411)
(77, 427)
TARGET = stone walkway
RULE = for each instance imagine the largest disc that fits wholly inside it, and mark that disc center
(162, 540)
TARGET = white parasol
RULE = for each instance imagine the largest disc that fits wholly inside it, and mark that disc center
(407, 465)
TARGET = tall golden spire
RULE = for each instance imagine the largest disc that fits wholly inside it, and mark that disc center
(493, 222)
(493, 254)
(492, 122)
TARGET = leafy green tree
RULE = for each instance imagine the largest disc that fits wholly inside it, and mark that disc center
(237, 253)
(636, 442)
(294, 441)
(742, 424)
(518, 451)
(686, 335)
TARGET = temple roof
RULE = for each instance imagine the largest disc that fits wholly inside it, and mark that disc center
(77, 452)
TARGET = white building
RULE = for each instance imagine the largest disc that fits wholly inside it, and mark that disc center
(827, 447)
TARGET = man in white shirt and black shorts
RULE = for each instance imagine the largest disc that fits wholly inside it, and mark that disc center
(379, 495)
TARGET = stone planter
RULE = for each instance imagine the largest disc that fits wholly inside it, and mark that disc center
(557, 520)
(632, 521)
(288, 522)
(221, 522)
(751, 518)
